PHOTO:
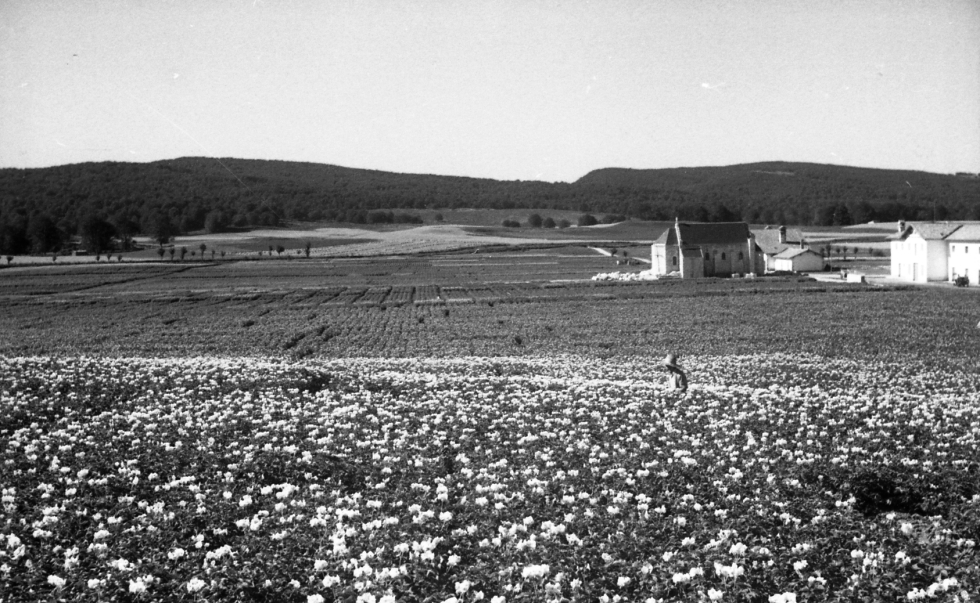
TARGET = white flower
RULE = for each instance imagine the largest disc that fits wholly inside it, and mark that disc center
(535, 571)
(783, 598)
(314, 598)
(195, 584)
(137, 586)
(738, 549)
(714, 595)
(622, 581)
(799, 565)
(56, 581)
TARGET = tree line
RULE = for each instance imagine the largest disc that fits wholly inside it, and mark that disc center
(108, 203)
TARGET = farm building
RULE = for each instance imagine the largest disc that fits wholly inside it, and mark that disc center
(964, 253)
(923, 252)
(797, 259)
(773, 241)
(695, 250)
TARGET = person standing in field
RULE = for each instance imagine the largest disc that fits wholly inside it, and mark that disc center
(678, 379)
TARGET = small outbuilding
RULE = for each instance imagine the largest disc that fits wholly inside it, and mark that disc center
(773, 241)
(796, 259)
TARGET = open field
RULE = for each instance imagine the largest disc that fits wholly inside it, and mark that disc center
(482, 425)
(535, 301)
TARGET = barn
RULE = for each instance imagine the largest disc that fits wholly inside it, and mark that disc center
(698, 249)
(773, 241)
(797, 259)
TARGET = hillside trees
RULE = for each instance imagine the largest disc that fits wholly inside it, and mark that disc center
(43, 234)
(13, 237)
(198, 193)
(97, 234)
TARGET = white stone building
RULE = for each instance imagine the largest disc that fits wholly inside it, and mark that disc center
(964, 253)
(925, 252)
(696, 250)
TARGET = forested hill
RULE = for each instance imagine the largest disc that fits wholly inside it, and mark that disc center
(194, 193)
(807, 193)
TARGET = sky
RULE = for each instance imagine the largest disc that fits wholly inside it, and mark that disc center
(511, 90)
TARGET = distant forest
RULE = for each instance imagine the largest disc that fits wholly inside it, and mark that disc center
(108, 203)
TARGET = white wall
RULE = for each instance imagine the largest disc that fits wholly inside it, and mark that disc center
(964, 260)
(805, 262)
(916, 259)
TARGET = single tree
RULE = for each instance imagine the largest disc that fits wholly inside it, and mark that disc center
(222, 253)
(280, 249)
(548, 223)
(534, 221)
(203, 247)
(10, 258)
(183, 252)
(307, 249)
(171, 251)
(160, 252)
(161, 228)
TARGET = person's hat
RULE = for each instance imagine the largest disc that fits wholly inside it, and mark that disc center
(670, 361)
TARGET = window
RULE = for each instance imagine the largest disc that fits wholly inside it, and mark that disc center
(954, 249)
(722, 255)
(740, 255)
(675, 260)
(707, 256)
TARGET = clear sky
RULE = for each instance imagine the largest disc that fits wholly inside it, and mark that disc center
(519, 89)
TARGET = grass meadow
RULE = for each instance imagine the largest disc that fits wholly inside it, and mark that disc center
(485, 425)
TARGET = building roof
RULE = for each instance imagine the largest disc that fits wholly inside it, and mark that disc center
(768, 239)
(703, 233)
(966, 232)
(792, 252)
(927, 230)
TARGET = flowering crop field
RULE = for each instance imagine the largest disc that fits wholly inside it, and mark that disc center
(776, 477)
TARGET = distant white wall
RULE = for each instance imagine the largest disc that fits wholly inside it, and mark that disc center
(964, 260)
(916, 259)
